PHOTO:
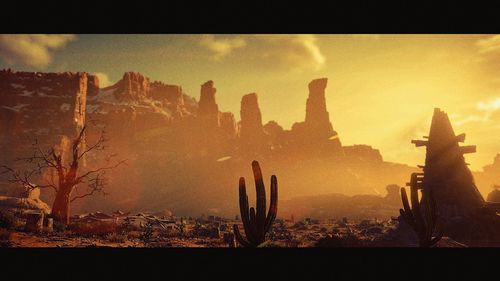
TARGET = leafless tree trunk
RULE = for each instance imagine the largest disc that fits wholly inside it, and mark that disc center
(68, 176)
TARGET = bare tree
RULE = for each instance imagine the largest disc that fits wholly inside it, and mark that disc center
(64, 178)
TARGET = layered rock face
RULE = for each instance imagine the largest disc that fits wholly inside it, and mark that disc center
(167, 93)
(133, 86)
(48, 107)
(183, 154)
(134, 105)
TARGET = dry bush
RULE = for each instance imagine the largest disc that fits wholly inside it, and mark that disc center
(167, 233)
(99, 228)
(116, 238)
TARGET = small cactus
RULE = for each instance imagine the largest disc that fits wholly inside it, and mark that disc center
(256, 223)
(423, 222)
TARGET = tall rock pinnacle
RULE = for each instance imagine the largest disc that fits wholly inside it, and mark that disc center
(251, 118)
(208, 110)
(317, 117)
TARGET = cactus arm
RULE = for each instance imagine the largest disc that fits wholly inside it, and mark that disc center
(423, 223)
(254, 234)
(406, 218)
(406, 213)
(273, 208)
(261, 197)
(240, 238)
(255, 221)
(245, 218)
(415, 205)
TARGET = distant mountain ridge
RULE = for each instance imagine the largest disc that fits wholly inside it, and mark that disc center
(184, 154)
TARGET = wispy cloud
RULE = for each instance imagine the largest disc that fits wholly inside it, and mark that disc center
(222, 47)
(104, 80)
(488, 45)
(296, 52)
(300, 51)
(483, 112)
(490, 105)
(310, 50)
(34, 50)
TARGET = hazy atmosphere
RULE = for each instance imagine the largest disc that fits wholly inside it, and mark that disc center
(381, 90)
(170, 140)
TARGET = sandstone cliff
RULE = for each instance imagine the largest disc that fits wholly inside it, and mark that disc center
(182, 154)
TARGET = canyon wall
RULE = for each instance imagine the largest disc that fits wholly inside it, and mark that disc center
(182, 154)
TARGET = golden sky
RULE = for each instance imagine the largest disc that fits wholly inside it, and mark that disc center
(381, 91)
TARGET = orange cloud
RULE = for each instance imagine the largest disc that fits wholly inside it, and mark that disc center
(33, 50)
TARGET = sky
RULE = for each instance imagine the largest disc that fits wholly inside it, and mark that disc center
(381, 91)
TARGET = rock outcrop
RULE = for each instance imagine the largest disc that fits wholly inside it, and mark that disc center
(276, 134)
(252, 136)
(363, 153)
(133, 86)
(48, 107)
(315, 136)
(208, 110)
(494, 167)
(167, 93)
(183, 154)
(317, 121)
(251, 118)
(134, 105)
(228, 124)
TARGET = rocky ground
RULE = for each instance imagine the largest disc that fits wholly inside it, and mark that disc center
(146, 230)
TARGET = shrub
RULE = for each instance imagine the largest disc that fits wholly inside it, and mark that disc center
(116, 238)
(147, 233)
(7, 219)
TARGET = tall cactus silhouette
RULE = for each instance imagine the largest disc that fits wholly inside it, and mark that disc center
(256, 223)
(423, 222)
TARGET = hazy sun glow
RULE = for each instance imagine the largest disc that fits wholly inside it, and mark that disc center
(381, 90)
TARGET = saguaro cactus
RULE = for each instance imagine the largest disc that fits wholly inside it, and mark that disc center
(423, 222)
(256, 223)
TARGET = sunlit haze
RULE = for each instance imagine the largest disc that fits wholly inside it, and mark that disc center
(381, 91)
